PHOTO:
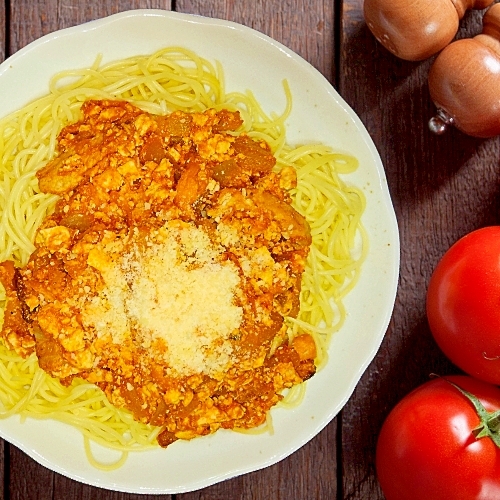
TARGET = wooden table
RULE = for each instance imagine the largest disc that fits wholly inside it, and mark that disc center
(442, 188)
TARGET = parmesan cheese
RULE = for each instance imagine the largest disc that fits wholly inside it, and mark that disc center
(172, 289)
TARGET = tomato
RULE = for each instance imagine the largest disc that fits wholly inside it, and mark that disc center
(463, 304)
(426, 449)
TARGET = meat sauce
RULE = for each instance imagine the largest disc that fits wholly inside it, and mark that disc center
(145, 199)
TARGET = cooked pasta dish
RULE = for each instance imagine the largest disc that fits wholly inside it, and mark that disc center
(167, 260)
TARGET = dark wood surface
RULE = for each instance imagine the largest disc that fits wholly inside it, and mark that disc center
(442, 188)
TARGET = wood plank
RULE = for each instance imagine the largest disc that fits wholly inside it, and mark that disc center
(3, 38)
(31, 20)
(305, 27)
(28, 21)
(3, 445)
(442, 188)
(27, 479)
(311, 472)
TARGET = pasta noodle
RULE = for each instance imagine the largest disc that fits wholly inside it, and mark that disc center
(171, 79)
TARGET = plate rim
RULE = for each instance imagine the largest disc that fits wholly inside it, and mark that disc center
(394, 269)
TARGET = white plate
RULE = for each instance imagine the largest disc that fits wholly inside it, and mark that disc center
(253, 61)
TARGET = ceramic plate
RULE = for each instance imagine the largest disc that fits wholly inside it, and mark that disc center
(252, 61)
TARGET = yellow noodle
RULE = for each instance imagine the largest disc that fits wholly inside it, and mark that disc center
(101, 465)
(173, 78)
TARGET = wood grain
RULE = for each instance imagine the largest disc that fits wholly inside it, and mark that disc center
(305, 27)
(30, 20)
(310, 473)
(3, 38)
(3, 445)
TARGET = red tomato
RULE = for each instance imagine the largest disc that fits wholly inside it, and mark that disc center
(426, 449)
(463, 304)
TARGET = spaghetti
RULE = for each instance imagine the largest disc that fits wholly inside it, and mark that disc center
(172, 79)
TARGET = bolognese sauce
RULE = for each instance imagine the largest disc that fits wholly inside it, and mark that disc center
(167, 269)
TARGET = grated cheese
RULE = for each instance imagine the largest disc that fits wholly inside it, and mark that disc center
(174, 290)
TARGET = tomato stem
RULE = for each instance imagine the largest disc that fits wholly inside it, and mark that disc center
(490, 421)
